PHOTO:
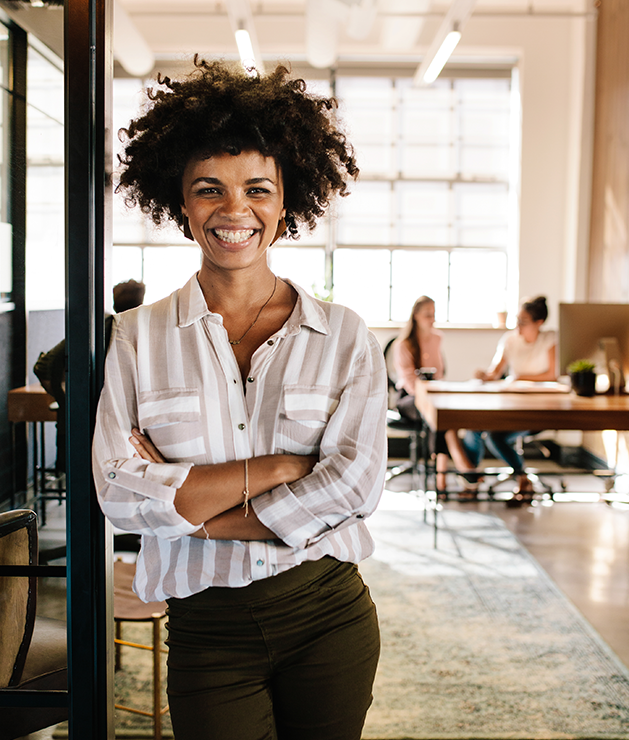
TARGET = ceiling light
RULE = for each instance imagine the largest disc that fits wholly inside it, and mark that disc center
(245, 49)
(244, 29)
(444, 42)
(448, 45)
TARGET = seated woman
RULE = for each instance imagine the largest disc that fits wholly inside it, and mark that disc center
(419, 346)
(527, 353)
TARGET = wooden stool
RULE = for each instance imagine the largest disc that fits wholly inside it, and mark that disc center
(129, 608)
(31, 404)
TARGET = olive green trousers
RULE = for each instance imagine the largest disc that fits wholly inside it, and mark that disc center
(292, 657)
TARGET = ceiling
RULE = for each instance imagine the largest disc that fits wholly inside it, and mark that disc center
(320, 32)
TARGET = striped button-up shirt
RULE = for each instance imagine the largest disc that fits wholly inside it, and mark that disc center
(317, 386)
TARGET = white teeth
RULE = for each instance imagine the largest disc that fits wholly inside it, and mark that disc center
(234, 237)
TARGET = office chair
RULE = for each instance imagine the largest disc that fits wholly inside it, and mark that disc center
(414, 430)
(34, 649)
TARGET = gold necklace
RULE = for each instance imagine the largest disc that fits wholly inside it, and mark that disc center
(264, 305)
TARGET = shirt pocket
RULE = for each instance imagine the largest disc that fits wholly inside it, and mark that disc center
(172, 420)
(304, 415)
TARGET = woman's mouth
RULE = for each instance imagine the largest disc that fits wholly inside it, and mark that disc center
(233, 236)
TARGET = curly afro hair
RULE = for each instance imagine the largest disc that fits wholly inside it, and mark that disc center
(220, 109)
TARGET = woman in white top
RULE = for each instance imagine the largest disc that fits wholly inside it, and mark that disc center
(525, 353)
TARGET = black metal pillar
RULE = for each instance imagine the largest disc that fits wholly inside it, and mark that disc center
(88, 70)
(17, 218)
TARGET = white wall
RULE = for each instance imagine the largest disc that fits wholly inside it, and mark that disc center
(465, 350)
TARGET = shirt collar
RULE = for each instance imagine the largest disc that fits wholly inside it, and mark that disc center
(192, 305)
(308, 312)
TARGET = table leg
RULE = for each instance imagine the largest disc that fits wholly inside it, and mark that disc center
(430, 475)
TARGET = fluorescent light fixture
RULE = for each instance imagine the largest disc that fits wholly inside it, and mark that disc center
(245, 49)
(441, 57)
(444, 41)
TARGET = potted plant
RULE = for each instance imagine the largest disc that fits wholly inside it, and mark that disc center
(582, 377)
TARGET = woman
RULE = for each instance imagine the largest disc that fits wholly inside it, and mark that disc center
(241, 428)
(419, 347)
(526, 353)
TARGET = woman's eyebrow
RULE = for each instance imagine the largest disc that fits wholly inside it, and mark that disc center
(216, 181)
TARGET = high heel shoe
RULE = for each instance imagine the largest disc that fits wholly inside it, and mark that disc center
(469, 488)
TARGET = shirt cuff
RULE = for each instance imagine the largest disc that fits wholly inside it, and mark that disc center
(282, 512)
(153, 480)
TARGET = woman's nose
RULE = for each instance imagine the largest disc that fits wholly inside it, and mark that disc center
(234, 204)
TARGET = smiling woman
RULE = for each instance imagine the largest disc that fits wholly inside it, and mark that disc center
(241, 428)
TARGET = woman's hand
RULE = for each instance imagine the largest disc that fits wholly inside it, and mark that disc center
(144, 448)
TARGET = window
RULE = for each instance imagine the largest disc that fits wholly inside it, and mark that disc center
(6, 232)
(435, 190)
(45, 231)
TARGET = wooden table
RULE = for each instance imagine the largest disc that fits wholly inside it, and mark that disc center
(30, 403)
(443, 407)
(491, 407)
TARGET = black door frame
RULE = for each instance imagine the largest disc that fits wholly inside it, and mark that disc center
(88, 66)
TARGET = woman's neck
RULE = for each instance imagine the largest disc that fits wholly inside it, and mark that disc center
(533, 340)
(423, 334)
(228, 291)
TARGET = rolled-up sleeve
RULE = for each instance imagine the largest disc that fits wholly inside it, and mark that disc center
(135, 495)
(346, 485)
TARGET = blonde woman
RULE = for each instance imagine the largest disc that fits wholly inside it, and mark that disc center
(417, 347)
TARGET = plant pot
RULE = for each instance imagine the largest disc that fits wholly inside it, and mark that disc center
(583, 384)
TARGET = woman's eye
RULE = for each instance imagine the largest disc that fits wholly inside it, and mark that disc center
(258, 191)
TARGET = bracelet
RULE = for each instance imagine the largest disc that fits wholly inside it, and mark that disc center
(207, 535)
(245, 493)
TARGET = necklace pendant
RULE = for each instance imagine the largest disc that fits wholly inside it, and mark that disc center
(234, 341)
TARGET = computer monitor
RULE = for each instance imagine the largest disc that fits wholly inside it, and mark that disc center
(596, 331)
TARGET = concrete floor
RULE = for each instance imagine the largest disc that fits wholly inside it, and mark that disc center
(581, 541)
(584, 547)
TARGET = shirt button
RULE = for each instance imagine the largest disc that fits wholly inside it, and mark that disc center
(260, 562)
(250, 380)
(241, 427)
(270, 342)
(112, 475)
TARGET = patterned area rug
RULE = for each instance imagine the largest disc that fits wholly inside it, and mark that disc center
(479, 643)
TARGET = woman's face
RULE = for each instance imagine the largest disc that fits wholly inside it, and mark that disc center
(527, 328)
(233, 205)
(425, 316)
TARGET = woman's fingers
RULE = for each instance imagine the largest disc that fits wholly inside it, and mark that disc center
(144, 447)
